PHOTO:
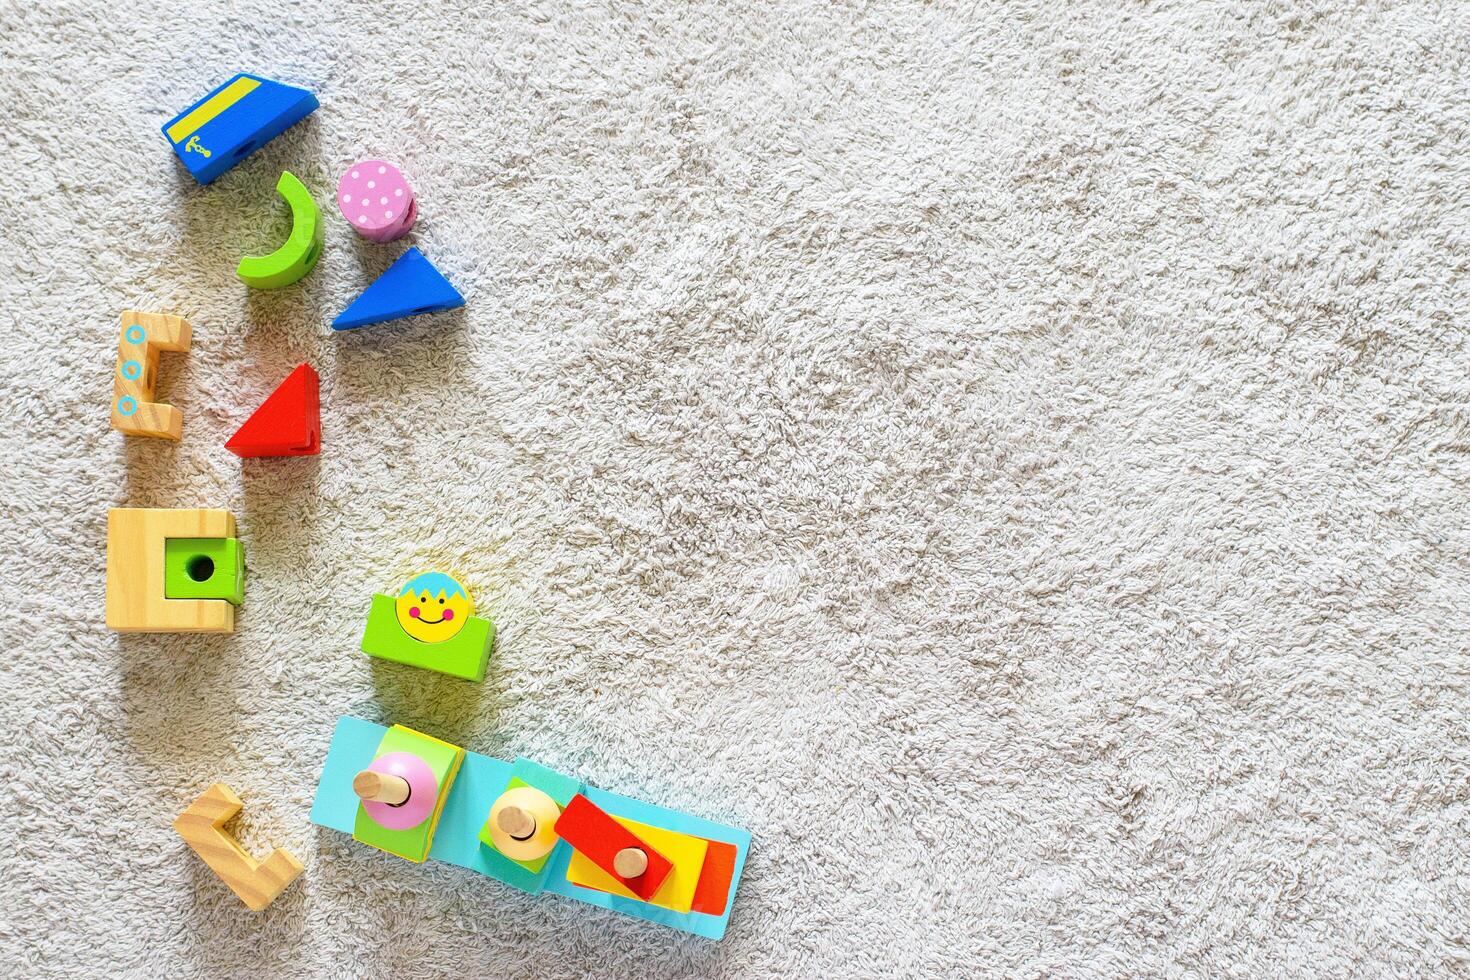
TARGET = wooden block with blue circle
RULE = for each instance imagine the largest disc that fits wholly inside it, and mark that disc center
(402, 792)
(430, 624)
(150, 586)
(232, 122)
(141, 338)
(302, 247)
(410, 286)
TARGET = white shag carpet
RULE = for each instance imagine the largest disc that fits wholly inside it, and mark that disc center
(1012, 458)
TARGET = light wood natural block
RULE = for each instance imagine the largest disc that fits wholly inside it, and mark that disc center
(258, 883)
(380, 787)
(141, 337)
(516, 822)
(630, 862)
(135, 590)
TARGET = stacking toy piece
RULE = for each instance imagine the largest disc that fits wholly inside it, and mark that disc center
(535, 829)
(258, 883)
(410, 286)
(522, 825)
(157, 579)
(608, 843)
(630, 862)
(141, 337)
(233, 121)
(402, 791)
(204, 568)
(512, 852)
(377, 201)
(296, 257)
(431, 624)
(288, 423)
(398, 790)
(686, 855)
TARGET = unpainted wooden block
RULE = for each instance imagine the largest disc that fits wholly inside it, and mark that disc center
(137, 597)
(141, 338)
(258, 883)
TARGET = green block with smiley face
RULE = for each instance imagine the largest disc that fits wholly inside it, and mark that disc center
(430, 624)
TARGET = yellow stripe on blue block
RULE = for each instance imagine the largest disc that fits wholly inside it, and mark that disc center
(211, 107)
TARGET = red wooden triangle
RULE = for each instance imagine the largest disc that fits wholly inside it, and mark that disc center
(289, 422)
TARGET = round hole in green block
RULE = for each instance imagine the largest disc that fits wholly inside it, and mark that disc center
(200, 568)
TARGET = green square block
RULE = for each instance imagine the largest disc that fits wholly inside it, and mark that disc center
(485, 838)
(204, 568)
(527, 773)
(463, 655)
(443, 760)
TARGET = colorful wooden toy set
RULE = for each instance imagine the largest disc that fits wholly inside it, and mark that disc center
(395, 789)
(537, 830)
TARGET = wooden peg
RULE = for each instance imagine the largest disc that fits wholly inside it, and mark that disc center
(522, 823)
(516, 822)
(630, 862)
(380, 787)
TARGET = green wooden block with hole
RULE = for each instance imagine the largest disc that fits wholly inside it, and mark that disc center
(463, 655)
(443, 761)
(204, 568)
(560, 788)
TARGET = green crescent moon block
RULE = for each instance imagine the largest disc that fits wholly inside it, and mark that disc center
(303, 246)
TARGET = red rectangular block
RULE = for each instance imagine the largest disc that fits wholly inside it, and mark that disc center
(713, 890)
(588, 828)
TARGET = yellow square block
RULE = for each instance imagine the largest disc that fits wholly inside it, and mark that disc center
(685, 853)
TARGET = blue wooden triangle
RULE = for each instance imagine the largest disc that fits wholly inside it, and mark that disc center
(409, 287)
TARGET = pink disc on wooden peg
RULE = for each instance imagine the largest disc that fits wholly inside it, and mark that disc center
(423, 791)
(376, 200)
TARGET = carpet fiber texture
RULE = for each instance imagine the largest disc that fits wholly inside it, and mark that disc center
(1012, 458)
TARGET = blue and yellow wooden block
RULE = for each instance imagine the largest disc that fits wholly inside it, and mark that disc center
(233, 121)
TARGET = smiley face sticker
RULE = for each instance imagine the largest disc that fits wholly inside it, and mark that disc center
(433, 607)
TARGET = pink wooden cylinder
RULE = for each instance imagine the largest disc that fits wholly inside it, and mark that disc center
(376, 200)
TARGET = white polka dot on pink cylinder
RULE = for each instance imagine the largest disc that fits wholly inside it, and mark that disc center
(376, 200)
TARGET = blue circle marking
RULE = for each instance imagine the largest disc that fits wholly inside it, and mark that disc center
(134, 334)
(132, 370)
(127, 405)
